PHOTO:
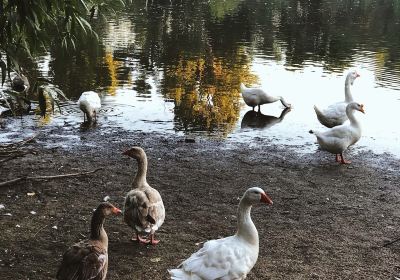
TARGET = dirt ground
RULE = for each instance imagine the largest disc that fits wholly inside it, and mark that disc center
(328, 221)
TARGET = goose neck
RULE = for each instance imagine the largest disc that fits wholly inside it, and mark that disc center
(141, 172)
(350, 115)
(246, 228)
(97, 231)
(347, 91)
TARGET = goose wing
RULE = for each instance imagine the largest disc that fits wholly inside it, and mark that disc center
(333, 115)
(143, 209)
(226, 258)
(83, 261)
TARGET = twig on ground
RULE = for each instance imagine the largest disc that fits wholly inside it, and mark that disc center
(39, 230)
(20, 143)
(12, 157)
(2, 184)
(391, 242)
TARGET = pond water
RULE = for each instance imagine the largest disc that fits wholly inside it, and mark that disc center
(176, 67)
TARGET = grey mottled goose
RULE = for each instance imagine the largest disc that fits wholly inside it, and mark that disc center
(144, 209)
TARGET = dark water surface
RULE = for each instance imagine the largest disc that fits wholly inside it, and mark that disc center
(176, 68)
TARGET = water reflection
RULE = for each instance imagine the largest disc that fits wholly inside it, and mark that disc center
(206, 91)
(256, 119)
(181, 62)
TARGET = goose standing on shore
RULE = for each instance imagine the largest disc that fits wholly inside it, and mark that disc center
(257, 96)
(144, 209)
(228, 258)
(335, 114)
(89, 102)
(89, 259)
(337, 139)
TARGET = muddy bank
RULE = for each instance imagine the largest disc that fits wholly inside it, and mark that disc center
(328, 221)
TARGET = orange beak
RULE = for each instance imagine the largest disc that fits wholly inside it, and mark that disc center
(116, 211)
(362, 109)
(266, 199)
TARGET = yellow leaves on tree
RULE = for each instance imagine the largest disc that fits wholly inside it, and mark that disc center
(206, 91)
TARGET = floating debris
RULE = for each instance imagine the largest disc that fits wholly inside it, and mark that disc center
(33, 212)
(2, 206)
(106, 198)
(7, 214)
(18, 226)
(30, 193)
(54, 227)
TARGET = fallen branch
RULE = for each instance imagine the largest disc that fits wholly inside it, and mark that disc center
(12, 157)
(27, 140)
(21, 143)
(48, 177)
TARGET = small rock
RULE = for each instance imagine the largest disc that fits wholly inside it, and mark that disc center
(30, 193)
(18, 226)
(55, 227)
(2, 206)
(33, 212)
(155, 260)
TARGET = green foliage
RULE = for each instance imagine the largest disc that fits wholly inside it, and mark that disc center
(24, 24)
(219, 9)
(3, 67)
(24, 32)
(48, 96)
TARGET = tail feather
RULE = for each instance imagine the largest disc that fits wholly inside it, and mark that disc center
(178, 274)
(317, 111)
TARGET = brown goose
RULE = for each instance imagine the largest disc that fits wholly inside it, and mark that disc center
(89, 259)
(144, 209)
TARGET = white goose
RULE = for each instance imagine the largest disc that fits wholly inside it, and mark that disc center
(144, 209)
(337, 139)
(89, 102)
(228, 258)
(256, 96)
(335, 114)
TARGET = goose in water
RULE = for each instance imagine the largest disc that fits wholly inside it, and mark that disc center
(337, 139)
(144, 209)
(335, 114)
(256, 97)
(89, 259)
(229, 258)
(89, 102)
